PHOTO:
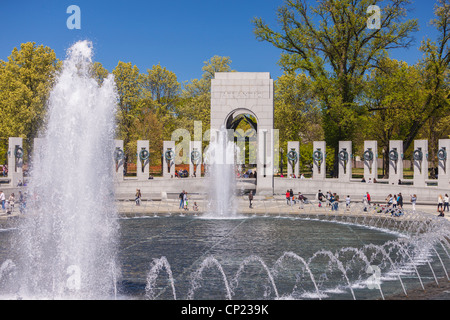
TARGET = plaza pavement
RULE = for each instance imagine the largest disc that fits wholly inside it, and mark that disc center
(261, 206)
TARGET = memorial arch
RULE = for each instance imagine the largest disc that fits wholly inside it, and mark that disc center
(237, 94)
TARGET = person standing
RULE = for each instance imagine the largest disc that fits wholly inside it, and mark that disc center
(365, 202)
(138, 197)
(440, 203)
(250, 198)
(301, 200)
(320, 196)
(368, 198)
(400, 201)
(413, 201)
(446, 202)
(331, 200)
(347, 202)
(291, 196)
(2, 199)
(186, 201)
(336, 202)
(288, 195)
(11, 202)
(181, 196)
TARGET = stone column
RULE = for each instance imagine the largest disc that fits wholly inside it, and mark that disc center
(293, 158)
(265, 161)
(15, 161)
(370, 158)
(195, 159)
(420, 163)
(118, 159)
(234, 93)
(395, 161)
(345, 161)
(444, 163)
(142, 160)
(319, 165)
(168, 159)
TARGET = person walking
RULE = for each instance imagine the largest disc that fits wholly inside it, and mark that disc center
(250, 199)
(291, 197)
(394, 201)
(288, 195)
(446, 202)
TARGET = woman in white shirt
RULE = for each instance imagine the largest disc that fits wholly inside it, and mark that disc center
(413, 201)
(440, 203)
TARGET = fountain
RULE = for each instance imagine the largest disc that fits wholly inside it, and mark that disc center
(221, 161)
(66, 244)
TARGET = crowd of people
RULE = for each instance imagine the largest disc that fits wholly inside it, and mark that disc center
(394, 203)
(292, 199)
(184, 202)
(331, 200)
(8, 205)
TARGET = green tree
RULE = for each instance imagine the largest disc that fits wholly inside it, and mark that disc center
(196, 96)
(393, 95)
(296, 114)
(162, 91)
(435, 75)
(332, 44)
(296, 111)
(25, 82)
(157, 118)
(99, 73)
(130, 103)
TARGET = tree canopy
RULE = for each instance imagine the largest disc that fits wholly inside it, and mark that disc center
(339, 83)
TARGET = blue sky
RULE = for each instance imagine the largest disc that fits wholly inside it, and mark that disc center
(180, 35)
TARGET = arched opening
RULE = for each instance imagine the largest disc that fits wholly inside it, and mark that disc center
(244, 123)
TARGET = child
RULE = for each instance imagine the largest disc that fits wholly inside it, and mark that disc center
(7, 207)
(195, 206)
(11, 202)
(347, 202)
(186, 201)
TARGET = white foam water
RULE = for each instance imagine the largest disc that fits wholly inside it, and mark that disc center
(221, 163)
(68, 239)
